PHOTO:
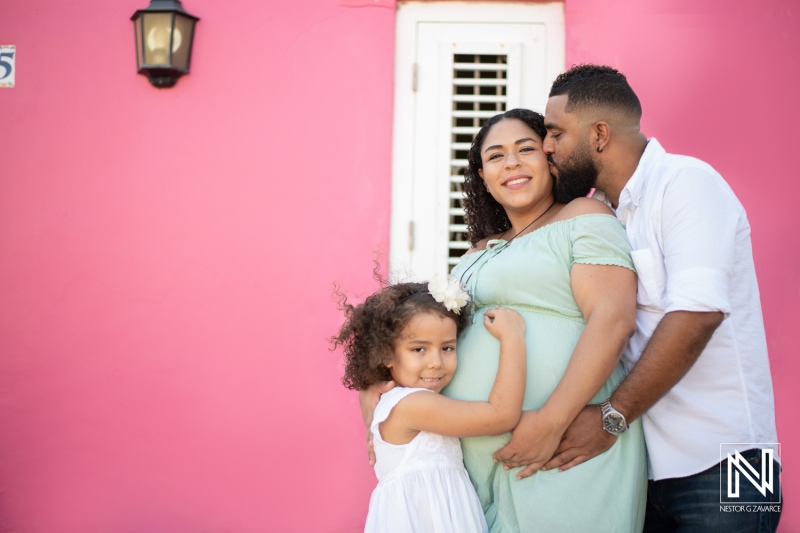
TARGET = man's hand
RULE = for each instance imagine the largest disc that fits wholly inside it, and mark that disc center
(584, 439)
(369, 399)
(532, 444)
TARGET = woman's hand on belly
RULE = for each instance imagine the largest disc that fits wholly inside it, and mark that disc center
(584, 439)
(533, 443)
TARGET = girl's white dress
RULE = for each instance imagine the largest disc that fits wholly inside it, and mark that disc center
(423, 486)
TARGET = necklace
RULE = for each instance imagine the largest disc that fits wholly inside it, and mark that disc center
(526, 227)
(505, 245)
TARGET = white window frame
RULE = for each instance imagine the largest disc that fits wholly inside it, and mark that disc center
(404, 231)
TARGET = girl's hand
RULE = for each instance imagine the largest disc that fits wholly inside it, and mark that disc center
(504, 323)
(369, 399)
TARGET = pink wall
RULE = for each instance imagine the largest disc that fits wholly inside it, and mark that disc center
(167, 258)
(167, 255)
(719, 80)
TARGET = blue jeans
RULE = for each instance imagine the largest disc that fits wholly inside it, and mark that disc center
(692, 504)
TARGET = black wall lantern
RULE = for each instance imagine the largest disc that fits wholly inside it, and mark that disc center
(164, 34)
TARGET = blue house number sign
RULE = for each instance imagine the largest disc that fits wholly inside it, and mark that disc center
(8, 65)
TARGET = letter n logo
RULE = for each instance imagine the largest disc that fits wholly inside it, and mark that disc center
(762, 481)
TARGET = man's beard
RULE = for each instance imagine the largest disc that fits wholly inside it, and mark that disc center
(576, 176)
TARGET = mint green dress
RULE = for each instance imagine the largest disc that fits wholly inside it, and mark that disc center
(532, 276)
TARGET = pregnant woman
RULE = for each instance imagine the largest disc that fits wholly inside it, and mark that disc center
(563, 262)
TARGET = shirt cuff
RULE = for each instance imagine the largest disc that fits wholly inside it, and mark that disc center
(699, 290)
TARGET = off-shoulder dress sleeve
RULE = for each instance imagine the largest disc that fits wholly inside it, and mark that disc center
(600, 240)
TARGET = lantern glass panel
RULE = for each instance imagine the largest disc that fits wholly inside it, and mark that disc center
(137, 28)
(184, 26)
(157, 36)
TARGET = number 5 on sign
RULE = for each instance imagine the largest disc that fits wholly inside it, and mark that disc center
(8, 53)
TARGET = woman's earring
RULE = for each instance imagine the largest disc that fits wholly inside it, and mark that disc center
(487, 187)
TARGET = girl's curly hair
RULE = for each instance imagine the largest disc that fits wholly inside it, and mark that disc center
(371, 329)
(484, 215)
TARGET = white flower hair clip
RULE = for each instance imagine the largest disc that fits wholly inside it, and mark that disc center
(450, 293)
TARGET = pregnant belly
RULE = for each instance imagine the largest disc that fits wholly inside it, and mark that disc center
(549, 340)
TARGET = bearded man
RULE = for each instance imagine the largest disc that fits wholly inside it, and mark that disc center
(698, 371)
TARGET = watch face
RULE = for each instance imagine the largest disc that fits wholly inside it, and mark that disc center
(614, 423)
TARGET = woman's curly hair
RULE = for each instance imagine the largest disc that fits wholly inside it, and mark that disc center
(371, 329)
(484, 215)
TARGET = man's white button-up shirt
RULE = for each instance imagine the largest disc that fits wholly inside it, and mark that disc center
(691, 246)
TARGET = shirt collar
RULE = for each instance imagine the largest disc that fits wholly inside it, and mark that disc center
(632, 192)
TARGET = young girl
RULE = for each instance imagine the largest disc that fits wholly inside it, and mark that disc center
(403, 333)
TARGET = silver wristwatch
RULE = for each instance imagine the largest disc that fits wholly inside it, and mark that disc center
(613, 421)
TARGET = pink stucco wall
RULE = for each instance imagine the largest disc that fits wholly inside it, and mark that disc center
(166, 256)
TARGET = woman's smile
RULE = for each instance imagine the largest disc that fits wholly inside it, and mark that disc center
(516, 182)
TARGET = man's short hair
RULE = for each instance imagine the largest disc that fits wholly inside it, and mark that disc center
(597, 86)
